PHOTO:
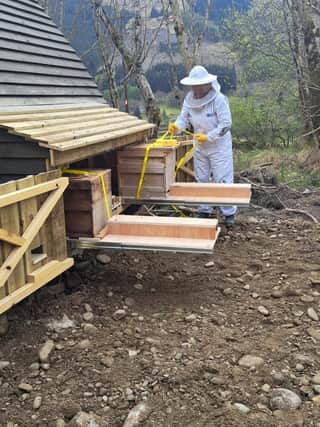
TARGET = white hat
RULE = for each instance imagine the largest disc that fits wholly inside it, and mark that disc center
(198, 76)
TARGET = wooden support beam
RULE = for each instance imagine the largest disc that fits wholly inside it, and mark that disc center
(40, 279)
(36, 190)
(10, 237)
(15, 256)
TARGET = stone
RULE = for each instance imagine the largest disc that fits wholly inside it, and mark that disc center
(89, 329)
(249, 361)
(60, 325)
(129, 301)
(103, 259)
(87, 316)
(70, 409)
(138, 286)
(284, 399)
(190, 317)
(263, 310)
(242, 408)
(137, 415)
(83, 419)
(87, 308)
(266, 388)
(119, 314)
(84, 344)
(60, 423)
(4, 364)
(4, 325)
(25, 387)
(313, 314)
(45, 351)
(37, 402)
(306, 298)
(107, 361)
(316, 378)
(209, 264)
(314, 333)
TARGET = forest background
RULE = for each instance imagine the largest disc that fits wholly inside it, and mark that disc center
(265, 53)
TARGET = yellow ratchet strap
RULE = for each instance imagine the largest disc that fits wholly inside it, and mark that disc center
(187, 155)
(161, 142)
(103, 185)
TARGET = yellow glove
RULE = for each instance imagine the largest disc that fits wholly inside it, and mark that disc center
(172, 128)
(200, 137)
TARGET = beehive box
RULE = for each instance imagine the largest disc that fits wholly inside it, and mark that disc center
(159, 173)
(85, 209)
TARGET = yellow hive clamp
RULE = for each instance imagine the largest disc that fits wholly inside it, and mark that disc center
(103, 185)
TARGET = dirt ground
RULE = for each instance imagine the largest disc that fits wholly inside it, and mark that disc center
(171, 330)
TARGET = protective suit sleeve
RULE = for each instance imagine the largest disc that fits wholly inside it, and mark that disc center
(224, 118)
(183, 119)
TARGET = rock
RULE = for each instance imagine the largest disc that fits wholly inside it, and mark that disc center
(137, 415)
(314, 333)
(87, 316)
(138, 286)
(316, 388)
(70, 409)
(87, 308)
(45, 351)
(103, 259)
(89, 329)
(313, 314)
(263, 310)
(4, 364)
(285, 399)
(266, 388)
(4, 325)
(84, 344)
(34, 367)
(83, 419)
(25, 387)
(60, 325)
(129, 302)
(37, 402)
(190, 317)
(316, 378)
(249, 361)
(278, 378)
(315, 280)
(277, 293)
(306, 298)
(242, 408)
(209, 264)
(60, 423)
(119, 314)
(107, 361)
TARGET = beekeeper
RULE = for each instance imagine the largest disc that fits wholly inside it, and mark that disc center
(207, 110)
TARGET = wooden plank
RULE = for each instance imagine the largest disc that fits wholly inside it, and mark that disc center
(14, 101)
(20, 29)
(81, 142)
(136, 225)
(24, 14)
(12, 238)
(73, 125)
(16, 254)
(38, 50)
(57, 247)
(27, 109)
(36, 41)
(27, 23)
(29, 58)
(27, 212)
(23, 78)
(76, 135)
(14, 196)
(48, 70)
(36, 116)
(24, 7)
(33, 4)
(29, 288)
(62, 158)
(210, 190)
(38, 258)
(21, 90)
(9, 220)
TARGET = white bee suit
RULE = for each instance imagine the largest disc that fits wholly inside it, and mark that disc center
(210, 115)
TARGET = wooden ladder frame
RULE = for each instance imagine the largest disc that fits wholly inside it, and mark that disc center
(47, 272)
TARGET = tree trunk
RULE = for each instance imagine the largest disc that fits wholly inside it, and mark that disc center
(152, 110)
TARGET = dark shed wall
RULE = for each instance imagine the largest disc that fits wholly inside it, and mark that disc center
(19, 157)
(37, 64)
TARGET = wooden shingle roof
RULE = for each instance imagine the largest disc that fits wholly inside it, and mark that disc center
(37, 64)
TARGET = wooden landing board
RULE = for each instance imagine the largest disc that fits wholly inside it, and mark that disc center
(193, 193)
(157, 233)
